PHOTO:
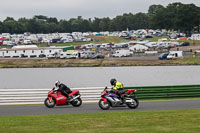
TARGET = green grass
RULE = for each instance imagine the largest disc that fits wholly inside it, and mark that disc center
(173, 121)
(2, 46)
(190, 60)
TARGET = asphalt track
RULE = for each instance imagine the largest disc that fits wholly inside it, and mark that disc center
(94, 108)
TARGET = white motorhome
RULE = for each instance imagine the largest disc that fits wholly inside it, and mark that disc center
(27, 41)
(54, 55)
(122, 53)
(175, 54)
(69, 55)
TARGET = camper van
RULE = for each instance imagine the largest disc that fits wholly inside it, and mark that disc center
(122, 53)
(175, 54)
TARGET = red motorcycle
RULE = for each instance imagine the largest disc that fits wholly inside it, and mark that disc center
(55, 97)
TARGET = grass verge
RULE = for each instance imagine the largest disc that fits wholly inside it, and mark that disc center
(173, 121)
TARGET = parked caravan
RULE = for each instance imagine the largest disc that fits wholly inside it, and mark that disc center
(175, 54)
(122, 53)
(138, 47)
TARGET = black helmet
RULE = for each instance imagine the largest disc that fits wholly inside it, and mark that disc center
(113, 81)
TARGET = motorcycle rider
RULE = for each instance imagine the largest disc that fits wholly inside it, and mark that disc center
(118, 87)
(64, 89)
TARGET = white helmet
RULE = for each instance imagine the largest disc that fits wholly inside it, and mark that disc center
(57, 83)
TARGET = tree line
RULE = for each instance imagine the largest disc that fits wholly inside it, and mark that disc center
(176, 16)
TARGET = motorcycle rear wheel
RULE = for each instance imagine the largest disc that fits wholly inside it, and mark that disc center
(133, 105)
(77, 102)
(49, 104)
(104, 105)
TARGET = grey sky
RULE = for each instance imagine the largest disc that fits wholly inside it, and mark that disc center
(66, 9)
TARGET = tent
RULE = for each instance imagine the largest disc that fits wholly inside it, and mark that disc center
(183, 38)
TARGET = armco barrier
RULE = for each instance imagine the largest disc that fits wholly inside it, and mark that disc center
(37, 96)
(160, 92)
(92, 94)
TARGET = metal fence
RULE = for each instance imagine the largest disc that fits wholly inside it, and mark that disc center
(92, 94)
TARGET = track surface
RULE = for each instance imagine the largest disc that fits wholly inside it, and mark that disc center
(93, 108)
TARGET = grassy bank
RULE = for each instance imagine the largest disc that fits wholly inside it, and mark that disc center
(27, 63)
(173, 121)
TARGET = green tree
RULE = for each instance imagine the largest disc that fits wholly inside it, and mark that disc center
(152, 12)
(104, 24)
(52, 20)
(52, 27)
(1, 27)
(153, 9)
(141, 21)
(74, 24)
(23, 24)
(10, 25)
(64, 26)
(187, 18)
(120, 23)
(95, 24)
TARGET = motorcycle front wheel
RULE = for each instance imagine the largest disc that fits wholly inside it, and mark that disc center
(49, 104)
(134, 104)
(104, 105)
(77, 102)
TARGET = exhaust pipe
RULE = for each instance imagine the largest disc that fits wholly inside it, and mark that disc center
(129, 100)
(75, 97)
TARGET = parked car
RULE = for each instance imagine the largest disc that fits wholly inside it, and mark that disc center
(98, 56)
(163, 56)
(184, 44)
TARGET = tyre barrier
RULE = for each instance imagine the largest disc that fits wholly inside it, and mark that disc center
(167, 92)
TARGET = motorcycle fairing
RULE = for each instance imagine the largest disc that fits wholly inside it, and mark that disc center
(73, 92)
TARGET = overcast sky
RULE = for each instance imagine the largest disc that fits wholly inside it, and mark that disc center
(66, 9)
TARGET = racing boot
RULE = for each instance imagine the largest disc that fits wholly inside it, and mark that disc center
(69, 99)
(121, 100)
